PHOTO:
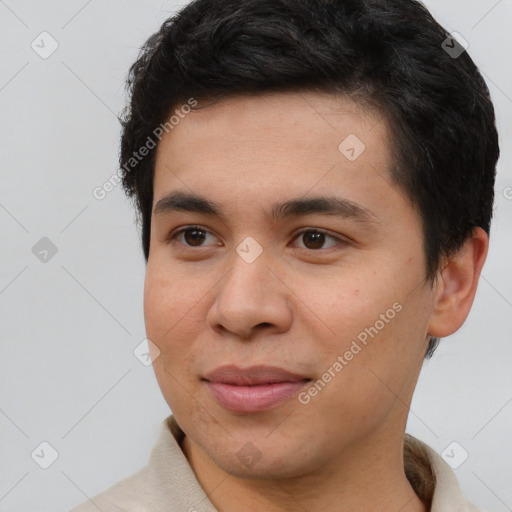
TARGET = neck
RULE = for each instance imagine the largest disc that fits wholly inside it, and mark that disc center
(371, 477)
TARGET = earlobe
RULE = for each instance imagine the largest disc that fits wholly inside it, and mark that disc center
(456, 285)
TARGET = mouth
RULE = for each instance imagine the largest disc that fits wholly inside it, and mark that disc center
(254, 389)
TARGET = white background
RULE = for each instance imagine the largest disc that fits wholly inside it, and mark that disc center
(69, 326)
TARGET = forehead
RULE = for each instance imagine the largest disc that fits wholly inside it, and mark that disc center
(290, 115)
(262, 150)
(297, 124)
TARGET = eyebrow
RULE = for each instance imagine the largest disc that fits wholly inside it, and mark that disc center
(323, 205)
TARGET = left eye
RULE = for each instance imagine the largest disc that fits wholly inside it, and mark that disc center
(193, 236)
(315, 239)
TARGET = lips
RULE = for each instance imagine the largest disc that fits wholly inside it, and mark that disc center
(254, 389)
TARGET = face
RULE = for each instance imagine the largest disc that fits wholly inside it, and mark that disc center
(285, 283)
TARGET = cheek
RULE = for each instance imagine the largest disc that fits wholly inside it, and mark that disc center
(168, 315)
(159, 306)
(374, 327)
(346, 305)
(381, 358)
(169, 300)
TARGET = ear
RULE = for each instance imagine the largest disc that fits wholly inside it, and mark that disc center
(456, 285)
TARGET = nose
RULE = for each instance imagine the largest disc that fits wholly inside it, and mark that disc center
(251, 298)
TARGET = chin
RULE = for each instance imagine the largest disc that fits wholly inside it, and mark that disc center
(258, 455)
(272, 464)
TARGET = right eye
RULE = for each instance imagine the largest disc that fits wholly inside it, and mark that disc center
(192, 236)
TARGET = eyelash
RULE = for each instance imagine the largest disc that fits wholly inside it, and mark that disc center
(339, 241)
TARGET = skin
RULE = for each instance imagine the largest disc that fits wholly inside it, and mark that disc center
(298, 305)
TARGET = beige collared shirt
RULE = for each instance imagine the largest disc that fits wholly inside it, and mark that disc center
(168, 483)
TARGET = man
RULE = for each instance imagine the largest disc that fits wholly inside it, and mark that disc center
(315, 185)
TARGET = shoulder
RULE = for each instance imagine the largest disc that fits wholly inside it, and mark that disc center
(433, 479)
(126, 495)
(166, 484)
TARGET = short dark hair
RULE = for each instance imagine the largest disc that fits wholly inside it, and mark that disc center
(390, 54)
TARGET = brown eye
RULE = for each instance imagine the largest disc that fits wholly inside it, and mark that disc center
(314, 239)
(194, 237)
